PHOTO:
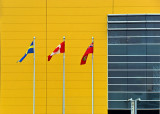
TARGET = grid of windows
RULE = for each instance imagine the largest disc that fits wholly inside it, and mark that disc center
(134, 60)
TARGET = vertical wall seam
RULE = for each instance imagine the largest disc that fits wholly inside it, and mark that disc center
(0, 67)
(46, 56)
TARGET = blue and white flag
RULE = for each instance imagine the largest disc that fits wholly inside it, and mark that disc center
(30, 50)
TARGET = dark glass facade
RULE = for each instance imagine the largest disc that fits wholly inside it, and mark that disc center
(133, 61)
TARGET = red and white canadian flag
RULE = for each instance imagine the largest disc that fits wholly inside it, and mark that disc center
(59, 49)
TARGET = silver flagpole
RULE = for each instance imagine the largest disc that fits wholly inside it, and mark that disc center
(34, 77)
(63, 81)
(92, 82)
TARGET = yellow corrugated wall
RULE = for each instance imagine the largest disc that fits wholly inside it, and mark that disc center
(21, 20)
(49, 21)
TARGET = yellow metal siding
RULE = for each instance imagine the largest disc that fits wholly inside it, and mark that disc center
(21, 20)
(49, 21)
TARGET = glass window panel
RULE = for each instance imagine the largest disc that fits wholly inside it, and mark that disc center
(117, 33)
(136, 50)
(131, 40)
(117, 41)
(150, 81)
(136, 58)
(152, 96)
(117, 66)
(153, 88)
(117, 105)
(153, 59)
(136, 25)
(117, 58)
(153, 80)
(136, 73)
(117, 74)
(117, 81)
(153, 25)
(136, 81)
(148, 104)
(153, 17)
(137, 66)
(153, 33)
(136, 88)
(116, 18)
(117, 96)
(136, 18)
(117, 25)
(117, 50)
(136, 33)
(153, 49)
(153, 40)
(153, 66)
(154, 73)
(144, 96)
(117, 87)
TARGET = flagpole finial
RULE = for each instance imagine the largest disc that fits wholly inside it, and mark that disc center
(64, 37)
(92, 38)
(34, 37)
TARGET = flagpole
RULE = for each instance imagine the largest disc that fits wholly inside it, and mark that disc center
(92, 81)
(34, 76)
(63, 112)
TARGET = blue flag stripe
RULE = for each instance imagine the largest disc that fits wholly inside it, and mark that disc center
(23, 58)
(30, 50)
(31, 43)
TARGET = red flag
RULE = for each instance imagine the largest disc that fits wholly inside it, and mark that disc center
(59, 49)
(88, 51)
